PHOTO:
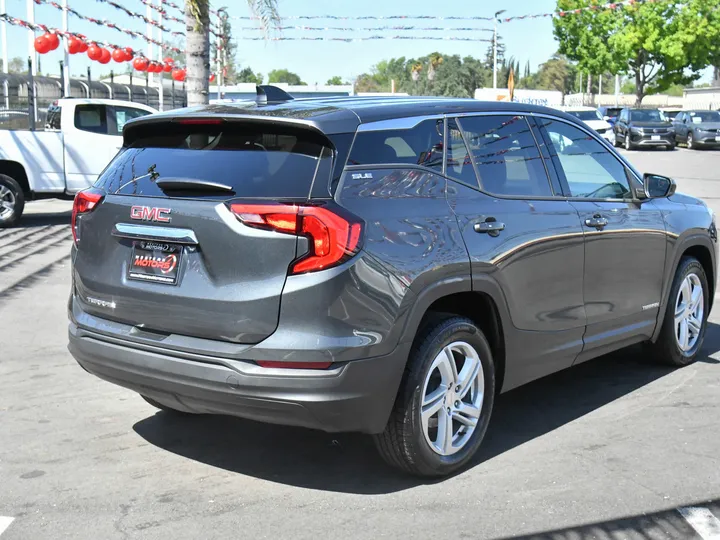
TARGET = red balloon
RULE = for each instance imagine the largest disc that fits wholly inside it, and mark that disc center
(94, 52)
(84, 46)
(129, 54)
(212, 77)
(167, 68)
(42, 45)
(140, 63)
(176, 74)
(104, 56)
(53, 40)
(74, 45)
(169, 60)
(119, 55)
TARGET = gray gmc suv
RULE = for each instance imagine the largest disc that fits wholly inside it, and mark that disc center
(380, 265)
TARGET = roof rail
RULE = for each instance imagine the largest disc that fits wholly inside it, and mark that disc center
(268, 95)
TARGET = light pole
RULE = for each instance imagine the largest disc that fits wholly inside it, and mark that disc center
(497, 13)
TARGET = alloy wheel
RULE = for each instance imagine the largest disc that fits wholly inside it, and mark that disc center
(7, 203)
(690, 140)
(452, 398)
(689, 311)
(627, 142)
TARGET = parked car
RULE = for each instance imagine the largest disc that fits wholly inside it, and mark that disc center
(81, 136)
(610, 114)
(670, 112)
(593, 119)
(642, 128)
(379, 265)
(698, 129)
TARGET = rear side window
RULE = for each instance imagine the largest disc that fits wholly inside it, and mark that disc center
(254, 161)
(506, 156)
(421, 145)
(91, 118)
(121, 115)
(53, 118)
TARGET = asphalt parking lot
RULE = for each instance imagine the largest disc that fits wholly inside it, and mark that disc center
(614, 448)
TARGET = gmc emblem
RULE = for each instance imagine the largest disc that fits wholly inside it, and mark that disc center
(147, 213)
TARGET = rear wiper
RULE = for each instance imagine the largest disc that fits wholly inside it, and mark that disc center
(192, 184)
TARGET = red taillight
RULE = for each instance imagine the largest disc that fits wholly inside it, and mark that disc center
(334, 238)
(85, 202)
(293, 365)
(200, 121)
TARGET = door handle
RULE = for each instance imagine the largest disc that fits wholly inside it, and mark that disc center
(597, 221)
(490, 226)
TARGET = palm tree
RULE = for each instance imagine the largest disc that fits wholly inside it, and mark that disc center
(435, 60)
(197, 44)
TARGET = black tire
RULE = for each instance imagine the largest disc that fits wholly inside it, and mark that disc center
(10, 191)
(689, 141)
(162, 407)
(403, 443)
(616, 143)
(670, 147)
(666, 349)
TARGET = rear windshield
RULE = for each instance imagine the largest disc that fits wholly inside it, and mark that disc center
(647, 115)
(254, 162)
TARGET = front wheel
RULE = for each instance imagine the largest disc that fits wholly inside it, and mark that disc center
(444, 402)
(685, 322)
(690, 141)
(628, 144)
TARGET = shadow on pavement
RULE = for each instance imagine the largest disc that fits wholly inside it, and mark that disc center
(349, 462)
(43, 219)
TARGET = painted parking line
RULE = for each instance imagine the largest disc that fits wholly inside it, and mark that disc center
(703, 521)
(5, 523)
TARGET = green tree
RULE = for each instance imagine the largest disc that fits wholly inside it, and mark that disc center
(197, 42)
(284, 76)
(335, 81)
(659, 44)
(246, 75)
(556, 74)
(227, 53)
(16, 65)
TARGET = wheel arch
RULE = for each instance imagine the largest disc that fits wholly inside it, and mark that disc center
(480, 300)
(700, 247)
(17, 172)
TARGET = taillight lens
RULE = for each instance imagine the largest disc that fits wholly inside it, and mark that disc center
(84, 203)
(334, 235)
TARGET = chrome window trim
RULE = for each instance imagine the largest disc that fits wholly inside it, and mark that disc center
(154, 234)
(405, 122)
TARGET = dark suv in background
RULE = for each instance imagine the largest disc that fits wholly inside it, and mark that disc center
(381, 265)
(642, 128)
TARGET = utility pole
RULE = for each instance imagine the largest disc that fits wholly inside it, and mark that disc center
(617, 89)
(66, 55)
(161, 90)
(149, 33)
(495, 43)
(3, 29)
(221, 50)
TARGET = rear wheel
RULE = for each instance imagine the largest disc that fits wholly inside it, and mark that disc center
(685, 322)
(444, 403)
(12, 201)
(690, 141)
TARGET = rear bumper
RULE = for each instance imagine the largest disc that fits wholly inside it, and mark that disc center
(351, 396)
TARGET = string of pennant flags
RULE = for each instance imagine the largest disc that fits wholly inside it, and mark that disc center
(364, 38)
(373, 28)
(619, 4)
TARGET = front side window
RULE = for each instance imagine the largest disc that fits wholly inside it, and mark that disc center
(698, 117)
(590, 170)
(92, 118)
(420, 145)
(506, 156)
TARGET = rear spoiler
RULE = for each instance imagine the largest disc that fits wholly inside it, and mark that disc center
(268, 95)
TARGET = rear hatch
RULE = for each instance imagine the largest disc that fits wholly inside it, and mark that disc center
(162, 249)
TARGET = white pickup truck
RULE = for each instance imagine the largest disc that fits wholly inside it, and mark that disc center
(81, 136)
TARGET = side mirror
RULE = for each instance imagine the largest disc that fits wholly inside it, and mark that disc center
(657, 186)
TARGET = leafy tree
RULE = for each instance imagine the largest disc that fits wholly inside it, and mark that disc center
(335, 81)
(16, 65)
(284, 76)
(197, 42)
(556, 74)
(228, 52)
(659, 44)
(246, 75)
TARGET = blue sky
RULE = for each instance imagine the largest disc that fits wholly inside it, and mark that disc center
(314, 61)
